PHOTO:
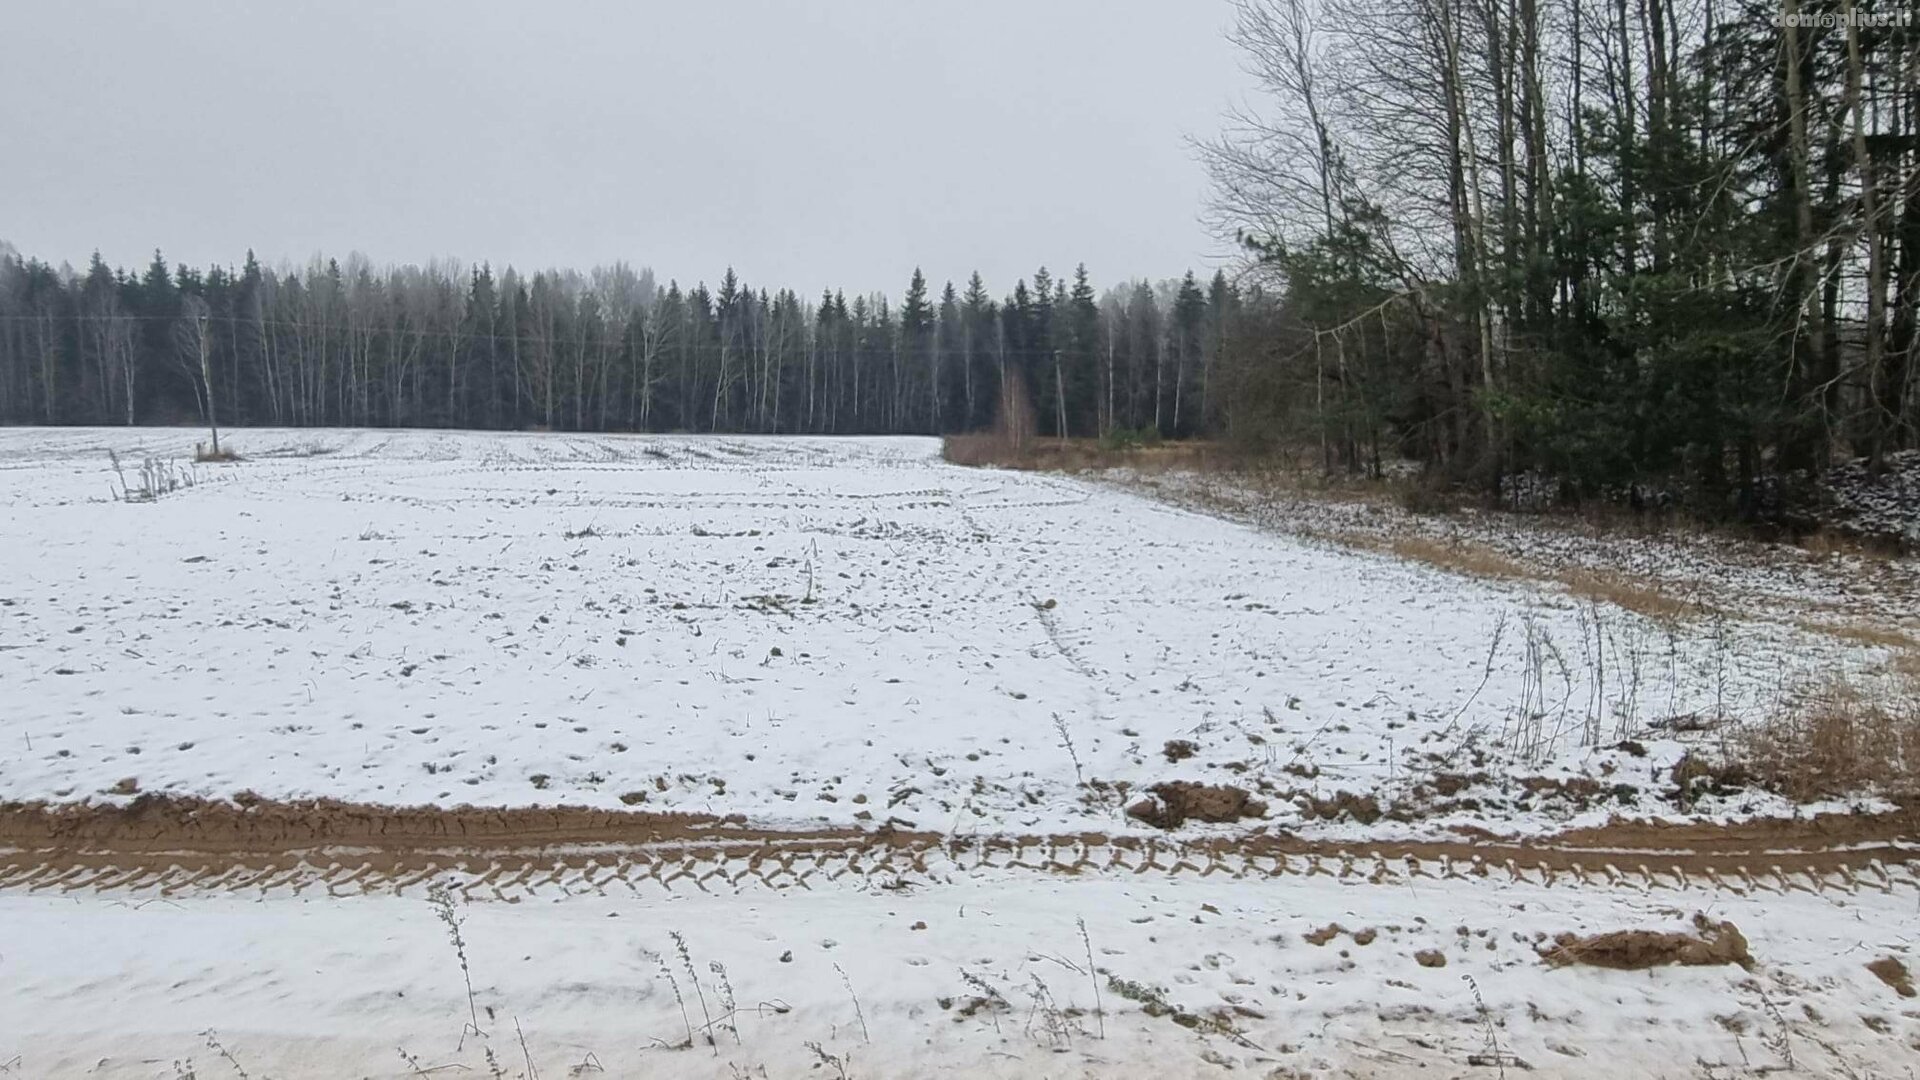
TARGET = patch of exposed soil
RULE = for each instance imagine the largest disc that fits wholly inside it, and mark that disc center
(1713, 943)
(1889, 970)
(251, 824)
(1176, 802)
(40, 841)
(1179, 750)
(1324, 934)
(1893, 831)
(1364, 809)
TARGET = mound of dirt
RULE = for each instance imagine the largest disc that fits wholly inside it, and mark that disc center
(249, 823)
(1176, 802)
(1890, 970)
(1364, 809)
(1713, 943)
(1324, 934)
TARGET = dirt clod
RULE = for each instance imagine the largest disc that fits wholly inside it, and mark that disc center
(1324, 934)
(1633, 950)
(1890, 970)
(1176, 801)
(1179, 749)
(1364, 809)
(1430, 958)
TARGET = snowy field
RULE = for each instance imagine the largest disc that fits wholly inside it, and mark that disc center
(798, 630)
(980, 977)
(852, 633)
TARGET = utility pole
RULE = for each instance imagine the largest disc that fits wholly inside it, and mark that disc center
(206, 377)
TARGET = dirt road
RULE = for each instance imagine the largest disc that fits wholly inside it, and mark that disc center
(169, 845)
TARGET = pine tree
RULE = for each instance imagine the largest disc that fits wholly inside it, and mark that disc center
(1080, 355)
(914, 360)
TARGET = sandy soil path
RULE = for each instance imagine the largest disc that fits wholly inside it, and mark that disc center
(173, 844)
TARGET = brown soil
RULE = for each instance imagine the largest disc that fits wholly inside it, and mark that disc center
(1364, 809)
(1324, 934)
(1893, 830)
(40, 842)
(1176, 802)
(1891, 971)
(1632, 950)
(254, 825)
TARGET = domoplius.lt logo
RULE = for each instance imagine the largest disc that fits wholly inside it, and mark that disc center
(1831, 20)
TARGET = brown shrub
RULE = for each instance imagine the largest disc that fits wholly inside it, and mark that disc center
(1841, 739)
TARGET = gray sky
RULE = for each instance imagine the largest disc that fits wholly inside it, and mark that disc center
(809, 143)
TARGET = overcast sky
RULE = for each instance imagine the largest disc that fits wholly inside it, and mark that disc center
(808, 143)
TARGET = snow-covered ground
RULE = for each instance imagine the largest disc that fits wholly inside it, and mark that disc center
(850, 631)
(797, 629)
(1746, 578)
(982, 976)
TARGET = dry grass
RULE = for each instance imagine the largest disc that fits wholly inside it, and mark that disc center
(1077, 455)
(1880, 637)
(1903, 649)
(1476, 560)
(985, 448)
(1641, 597)
(1842, 738)
(1232, 483)
(1829, 544)
(1471, 559)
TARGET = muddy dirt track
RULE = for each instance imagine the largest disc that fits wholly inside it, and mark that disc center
(167, 845)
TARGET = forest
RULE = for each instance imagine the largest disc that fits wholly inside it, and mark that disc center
(345, 344)
(1622, 246)
(1625, 245)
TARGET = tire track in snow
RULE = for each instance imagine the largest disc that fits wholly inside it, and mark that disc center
(711, 869)
(188, 846)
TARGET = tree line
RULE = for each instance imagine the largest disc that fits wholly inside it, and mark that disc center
(345, 343)
(1613, 243)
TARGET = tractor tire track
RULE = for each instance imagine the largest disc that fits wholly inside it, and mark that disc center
(169, 847)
